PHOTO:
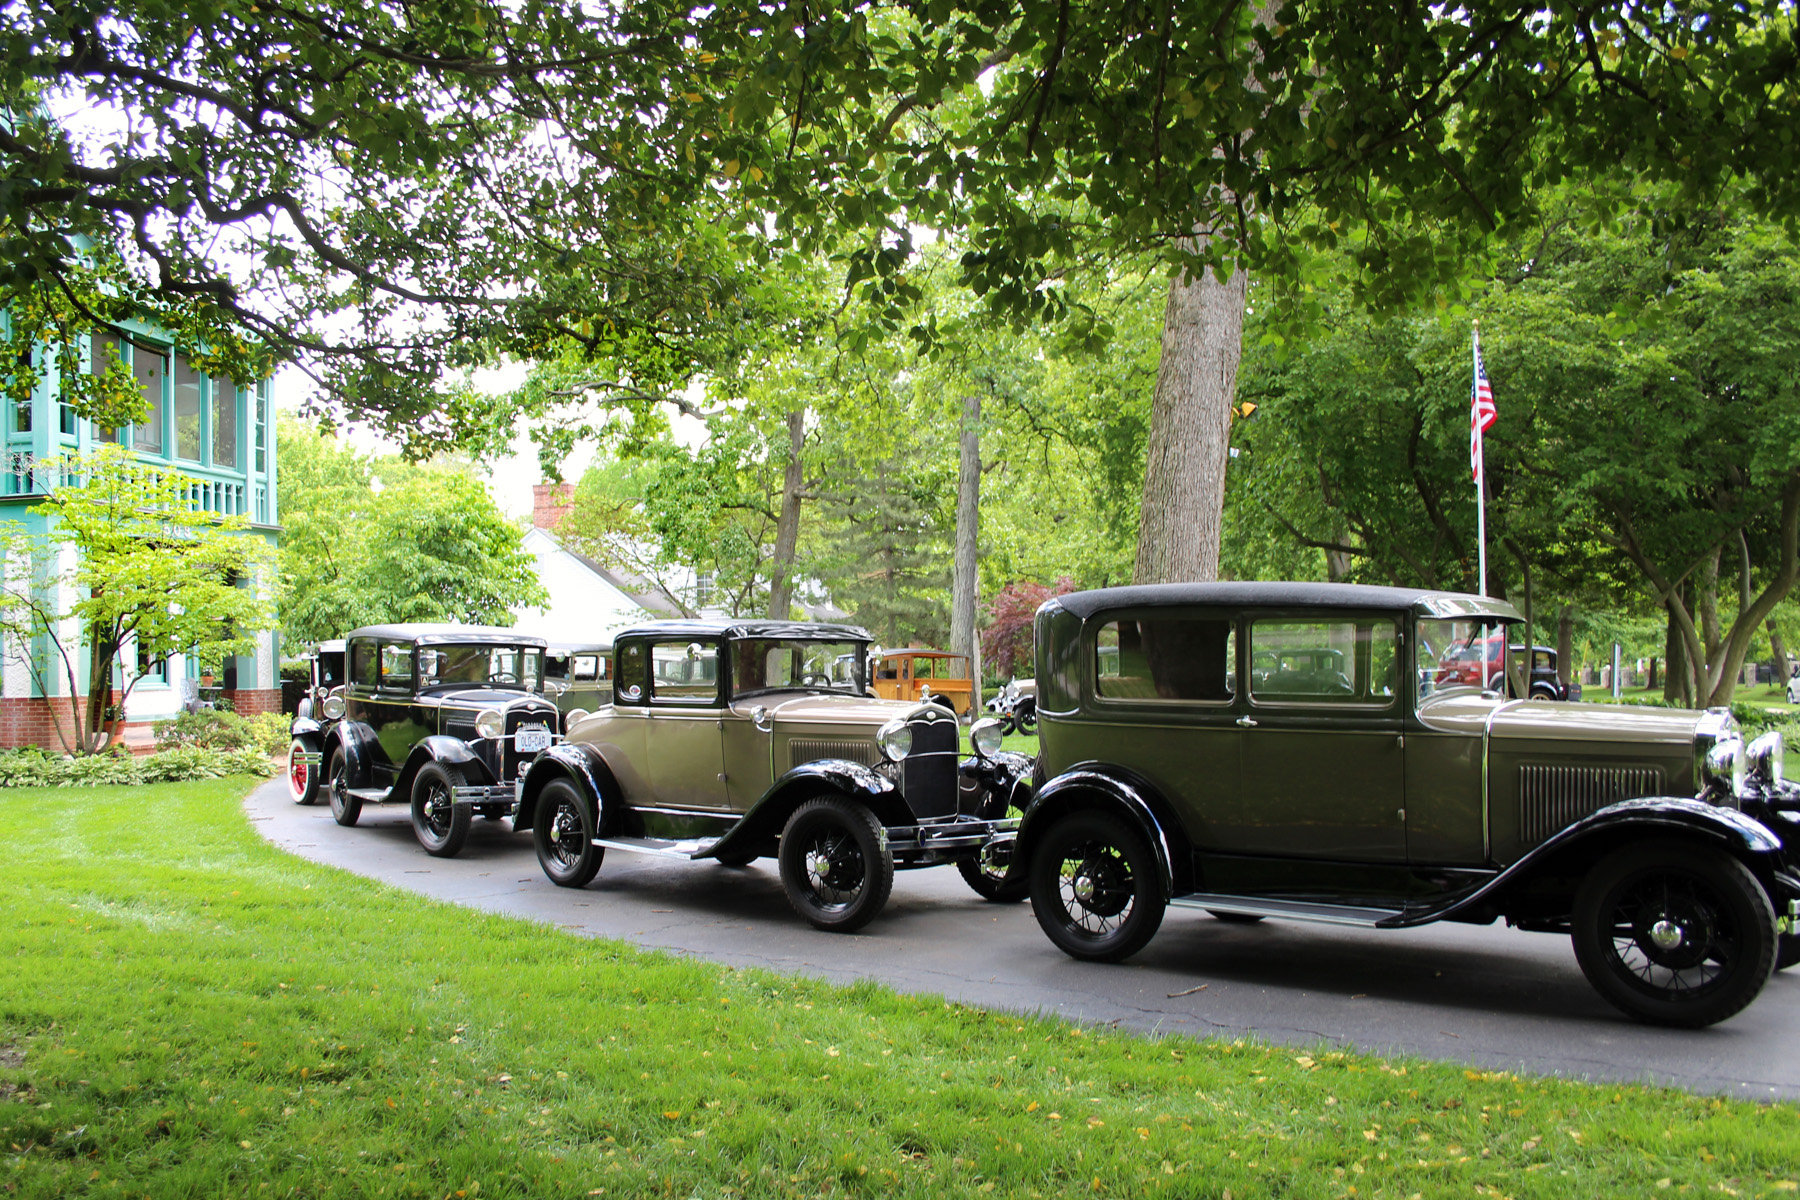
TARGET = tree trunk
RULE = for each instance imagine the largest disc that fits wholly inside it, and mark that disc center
(964, 580)
(1678, 681)
(1708, 603)
(1190, 430)
(787, 525)
(1565, 646)
(95, 727)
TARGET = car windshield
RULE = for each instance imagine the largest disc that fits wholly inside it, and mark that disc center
(505, 666)
(776, 664)
(1466, 654)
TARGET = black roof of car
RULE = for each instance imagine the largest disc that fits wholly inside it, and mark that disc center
(588, 647)
(737, 628)
(1283, 595)
(426, 633)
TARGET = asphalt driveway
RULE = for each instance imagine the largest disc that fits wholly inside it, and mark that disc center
(1486, 997)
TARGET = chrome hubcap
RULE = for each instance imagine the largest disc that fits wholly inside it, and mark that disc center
(1666, 934)
(818, 865)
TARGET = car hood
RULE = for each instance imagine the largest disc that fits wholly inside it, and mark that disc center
(816, 709)
(489, 697)
(1547, 720)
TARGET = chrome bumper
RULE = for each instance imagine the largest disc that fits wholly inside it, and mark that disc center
(949, 840)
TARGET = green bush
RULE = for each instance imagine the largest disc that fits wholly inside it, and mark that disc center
(209, 729)
(34, 768)
(270, 733)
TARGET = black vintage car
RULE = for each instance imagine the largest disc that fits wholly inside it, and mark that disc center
(1542, 677)
(444, 718)
(734, 740)
(578, 677)
(325, 671)
(1199, 755)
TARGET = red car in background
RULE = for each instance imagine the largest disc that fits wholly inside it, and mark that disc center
(1465, 665)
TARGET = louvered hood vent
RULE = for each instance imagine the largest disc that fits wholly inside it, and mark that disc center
(1552, 798)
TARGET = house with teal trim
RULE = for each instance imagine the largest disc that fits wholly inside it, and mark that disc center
(219, 435)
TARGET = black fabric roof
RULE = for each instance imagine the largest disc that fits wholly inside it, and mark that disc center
(1282, 595)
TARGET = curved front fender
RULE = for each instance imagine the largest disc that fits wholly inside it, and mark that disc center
(1094, 785)
(304, 726)
(573, 761)
(451, 752)
(361, 750)
(764, 820)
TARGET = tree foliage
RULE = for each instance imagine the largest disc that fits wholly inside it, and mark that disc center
(142, 572)
(371, 540)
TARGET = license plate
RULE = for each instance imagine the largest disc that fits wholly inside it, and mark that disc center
(531, 738)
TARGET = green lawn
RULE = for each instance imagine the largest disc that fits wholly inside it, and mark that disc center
(188, 1012)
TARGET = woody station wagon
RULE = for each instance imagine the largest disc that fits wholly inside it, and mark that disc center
(1294, 751)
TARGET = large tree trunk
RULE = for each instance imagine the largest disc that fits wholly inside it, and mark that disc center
(964, 580)
(1678, 680)
(787, 525)
(1183, 507)
(1779, 650)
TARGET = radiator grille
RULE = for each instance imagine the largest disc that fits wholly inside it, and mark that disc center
(805, 750)
(1551, 798)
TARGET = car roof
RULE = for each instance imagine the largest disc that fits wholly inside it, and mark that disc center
(739, 628)
(1423, 601)
(579, 647)
(433, 633)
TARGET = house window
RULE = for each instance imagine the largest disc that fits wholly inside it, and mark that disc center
(187, 409)
(104, 348)
(148, 368)
(262, 430)
(224, 424)
(703, 589)
(151, 670)
(21, 422)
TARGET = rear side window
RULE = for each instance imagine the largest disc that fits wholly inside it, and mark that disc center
(1322, 661)
(587, 666)
(363, 664)
(396, 665)
(1166, 658)
(684, 672)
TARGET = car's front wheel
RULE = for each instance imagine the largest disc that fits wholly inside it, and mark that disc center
(564, 836)
(1674, 934)
(1094, 887)
(441, 824)
(837, 872)
(345, 808)
(303, 779)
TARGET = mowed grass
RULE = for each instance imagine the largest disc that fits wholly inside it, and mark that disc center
(187, 1012)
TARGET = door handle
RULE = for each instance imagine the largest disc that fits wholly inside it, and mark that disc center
(1247, 722)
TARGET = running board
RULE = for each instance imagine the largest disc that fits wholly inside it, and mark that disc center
(688, 848)
(1292, 910)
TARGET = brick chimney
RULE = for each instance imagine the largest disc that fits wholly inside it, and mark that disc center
(550, 503)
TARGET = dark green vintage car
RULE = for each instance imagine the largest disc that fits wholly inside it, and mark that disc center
(1347, 783)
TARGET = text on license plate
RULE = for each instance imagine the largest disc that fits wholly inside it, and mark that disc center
(531, 738)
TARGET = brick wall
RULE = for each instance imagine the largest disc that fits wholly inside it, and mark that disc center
(247, 702)
(550, 503)
(34, 721)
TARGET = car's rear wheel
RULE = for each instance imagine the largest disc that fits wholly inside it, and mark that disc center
(1674, 934)
(1094, 887)
(1027, 719)
(564, 836)
(837, 873)
(302, 778)
(345, 808)
(441, 824)
(1002, 882)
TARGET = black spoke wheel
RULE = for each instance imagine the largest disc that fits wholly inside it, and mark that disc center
(564, 835)
(1027, 719)
(837, 872)
(1674, 934)
(997, 874)
(1095, 887)
(345, 808)
(441, 824)
(302, 779)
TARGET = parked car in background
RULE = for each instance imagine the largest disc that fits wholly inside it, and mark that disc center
(734, 740)
(578, 677)
(1667, 850)
(325, 671)
(1793, 686)
(1541, 673)
(918, 674)
(1015, 706)
(442, 718)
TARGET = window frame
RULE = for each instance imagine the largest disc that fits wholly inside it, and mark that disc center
(1231, 618)
(654, 696)
(1396, 621)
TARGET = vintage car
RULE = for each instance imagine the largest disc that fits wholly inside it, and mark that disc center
(443, 718)
(734, 740)
(325, 672)
(1663, 846)
(918, 674)
(1541, 676)
(578, 677)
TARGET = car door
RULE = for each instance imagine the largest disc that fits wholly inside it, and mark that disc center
(1323, 754)
(684, 742)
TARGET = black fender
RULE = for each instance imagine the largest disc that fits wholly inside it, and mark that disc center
(581, 764)
(451, 752)
(303, 710)
(1004, 779)
(1554, 868)
(361, 751)
(1125, 794)
(762, 824)
(308, 731)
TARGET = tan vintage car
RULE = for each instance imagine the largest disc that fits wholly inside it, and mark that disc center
(1308, 752)
(733, 740)
(915, 673)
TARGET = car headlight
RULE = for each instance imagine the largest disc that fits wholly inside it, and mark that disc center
(489, 723)
(1722, 775)
(1767, 758)
(984, 735)
(574, 715)
(894, 739)
(333, 707)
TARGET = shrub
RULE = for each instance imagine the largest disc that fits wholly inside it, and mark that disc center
(270, 733)
(35, 768)
(209, 729)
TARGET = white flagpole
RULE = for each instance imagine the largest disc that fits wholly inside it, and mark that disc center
(1481, 461)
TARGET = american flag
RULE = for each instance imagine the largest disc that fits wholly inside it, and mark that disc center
(1482, 413)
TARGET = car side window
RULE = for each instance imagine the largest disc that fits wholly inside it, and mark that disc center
(587, 666)
(396, 666)
(629, 665)
(364, 664)
(684, 672)
(1166, 658)
(1323, 661)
